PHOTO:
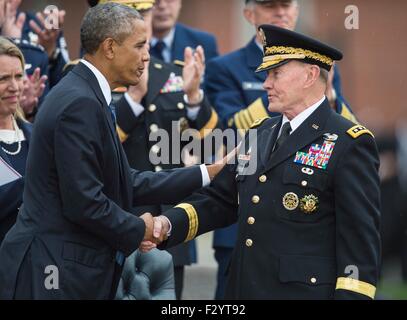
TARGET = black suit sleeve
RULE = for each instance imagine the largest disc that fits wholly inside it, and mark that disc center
(210, 208)
(165, 187)
(79, 150)
(357, 203)
(11, 197)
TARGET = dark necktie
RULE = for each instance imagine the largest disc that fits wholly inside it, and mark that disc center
(157, 50)
(285, 133)
(112, 110)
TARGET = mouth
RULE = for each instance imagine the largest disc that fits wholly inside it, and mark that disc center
(10, 99)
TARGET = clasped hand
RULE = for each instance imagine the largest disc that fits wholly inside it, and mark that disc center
(156, 231)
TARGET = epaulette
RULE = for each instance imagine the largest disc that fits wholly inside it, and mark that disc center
(258, 122)
(22, 43)
(71, 64)
(357, 131)
(179, 63)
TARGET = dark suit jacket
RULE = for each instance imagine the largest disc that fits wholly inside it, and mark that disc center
(289, 247)
(78, 194)
(185, 36)
(162, 110)
(11, 194)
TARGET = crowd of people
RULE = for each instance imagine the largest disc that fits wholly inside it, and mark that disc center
(304, 225)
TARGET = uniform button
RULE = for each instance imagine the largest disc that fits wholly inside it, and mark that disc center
(180, 106)
(256, 199)
(152, 108)
(251, 220)
(263, 179)
(155, 149)
(304, 183)
(313, 280)
(249, 242)
(153, 128)
(158, 169)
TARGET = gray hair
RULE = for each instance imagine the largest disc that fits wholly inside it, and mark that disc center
(109, 20)
(324, 75)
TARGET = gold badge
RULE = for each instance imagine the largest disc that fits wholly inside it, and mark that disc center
(183, 124)
(263, 37)
(290, 201)
(309, 204)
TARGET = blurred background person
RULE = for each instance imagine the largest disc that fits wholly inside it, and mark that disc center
(170, 38)
(15, 132)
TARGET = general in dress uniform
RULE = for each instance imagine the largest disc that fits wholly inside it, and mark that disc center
(308, 218)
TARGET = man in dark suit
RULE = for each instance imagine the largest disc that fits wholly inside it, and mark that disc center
(236, 92)
(171, 38)
(167, 94)
(75, 227)
(306, 201)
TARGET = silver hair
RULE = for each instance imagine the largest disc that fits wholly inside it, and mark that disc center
(250, 2)
(324, 75)
(109, 20)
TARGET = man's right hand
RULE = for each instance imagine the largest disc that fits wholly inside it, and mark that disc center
(161, 227)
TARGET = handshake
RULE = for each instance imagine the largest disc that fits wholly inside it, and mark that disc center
(156, 231)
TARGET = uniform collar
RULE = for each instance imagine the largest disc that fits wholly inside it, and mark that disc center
(168, 39)
(103, 84)
(299, 119)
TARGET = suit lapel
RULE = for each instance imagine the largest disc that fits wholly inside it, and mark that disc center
(307, 132)
(84, 72)
(179, 43)
(267, 139)
(157, 79)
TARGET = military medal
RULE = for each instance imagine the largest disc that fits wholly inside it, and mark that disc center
(290, 201)
(309, 204)
(183, 124)
(330, 137)
(318, 156)
(174, 84)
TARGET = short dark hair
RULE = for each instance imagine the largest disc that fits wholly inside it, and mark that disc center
(109, 20)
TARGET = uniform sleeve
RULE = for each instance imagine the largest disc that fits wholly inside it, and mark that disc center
(357, 205)
(210, 208)
(78, 140)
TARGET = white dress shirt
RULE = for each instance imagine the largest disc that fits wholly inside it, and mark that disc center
(168, 40)
(299, 119)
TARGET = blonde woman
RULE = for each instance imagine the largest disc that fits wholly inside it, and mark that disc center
(14, 131)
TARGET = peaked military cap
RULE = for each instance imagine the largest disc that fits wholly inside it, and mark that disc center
(281, 46)
(139, 5)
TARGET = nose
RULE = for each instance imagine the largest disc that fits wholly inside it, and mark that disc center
(146, 54)
(268, 84)
(14, 85)
(280, 10)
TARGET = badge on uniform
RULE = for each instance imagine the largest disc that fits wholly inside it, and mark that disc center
(318, 156)
(290, 201)
(174, 84)
(309, 204)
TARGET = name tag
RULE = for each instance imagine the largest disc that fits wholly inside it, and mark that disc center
(253, 86)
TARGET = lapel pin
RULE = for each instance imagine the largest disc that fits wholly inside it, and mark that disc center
(315, 126)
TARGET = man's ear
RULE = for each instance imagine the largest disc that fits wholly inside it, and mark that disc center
(249, 15)
(313, 72)
(108, 47)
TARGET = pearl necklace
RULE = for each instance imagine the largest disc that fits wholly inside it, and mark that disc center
(13, 153)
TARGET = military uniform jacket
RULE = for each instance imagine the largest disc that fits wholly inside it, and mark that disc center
(79, 190)
(236, 92)
(305, 228)
(165, 109)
